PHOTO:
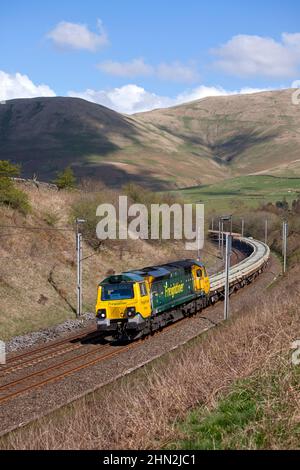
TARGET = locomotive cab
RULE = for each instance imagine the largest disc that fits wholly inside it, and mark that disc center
(123, 302)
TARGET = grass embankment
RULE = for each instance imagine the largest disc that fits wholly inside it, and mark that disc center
(237, 379)
(243, 192)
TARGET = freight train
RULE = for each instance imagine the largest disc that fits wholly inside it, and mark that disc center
(138, 302)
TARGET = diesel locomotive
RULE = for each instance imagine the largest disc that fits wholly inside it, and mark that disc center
(138, 302)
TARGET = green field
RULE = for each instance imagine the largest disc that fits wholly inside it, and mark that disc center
(250, 191)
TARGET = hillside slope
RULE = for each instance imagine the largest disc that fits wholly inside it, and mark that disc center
(256, 133)
(199, 142)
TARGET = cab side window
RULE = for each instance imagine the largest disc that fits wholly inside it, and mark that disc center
(198, 272)
(143, 289)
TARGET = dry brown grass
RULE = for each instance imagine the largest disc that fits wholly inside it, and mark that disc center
(142, 411)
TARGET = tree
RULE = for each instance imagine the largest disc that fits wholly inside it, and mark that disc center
(66, 179)
(8, 169)
(9, 194)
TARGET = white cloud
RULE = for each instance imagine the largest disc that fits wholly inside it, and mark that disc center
(78, 36)
(292, 40)
(200, 92)
(175, 71)
(203, 91)
(131, 98)
(20, 86)
(134, 68)
(245, 55)
(126, 99)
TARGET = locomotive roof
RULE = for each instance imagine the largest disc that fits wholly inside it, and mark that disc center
(157, 272)
(154, 271)
(124, 277)
(165, 270)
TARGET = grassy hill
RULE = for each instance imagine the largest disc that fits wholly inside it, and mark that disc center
(241, 134)
(196, 143)
(243, 191)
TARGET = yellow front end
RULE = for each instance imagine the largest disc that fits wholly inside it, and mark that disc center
(122, 306)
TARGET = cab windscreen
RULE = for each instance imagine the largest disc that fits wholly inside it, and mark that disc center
(117, 292)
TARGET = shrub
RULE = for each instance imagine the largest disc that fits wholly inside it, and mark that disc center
(51, 219)
(65, 179)
(9, 194)
(8, 169)
(85, 207)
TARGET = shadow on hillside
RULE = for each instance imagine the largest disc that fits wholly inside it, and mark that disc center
(115, 177)
(226, 151)
(188, 138)
(47, 134)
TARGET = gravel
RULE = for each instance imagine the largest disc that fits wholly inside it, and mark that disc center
(49, 334)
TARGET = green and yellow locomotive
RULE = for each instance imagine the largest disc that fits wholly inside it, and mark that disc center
(135, 303)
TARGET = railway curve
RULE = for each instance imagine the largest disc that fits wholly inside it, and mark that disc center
(244, 271)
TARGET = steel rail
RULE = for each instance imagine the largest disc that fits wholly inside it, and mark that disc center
(63, 374)
(50, 368)
(36, 360)
(53, 344)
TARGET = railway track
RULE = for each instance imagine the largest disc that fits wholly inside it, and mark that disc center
(26, 383)
(85, 354)
(56, 348)
(53, 344)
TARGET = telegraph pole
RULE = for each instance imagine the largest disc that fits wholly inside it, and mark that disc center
(219, 235)
(227, 269)
(243, 227)
(79, 267)
(266, 231)
(212, 223)
(284, 245)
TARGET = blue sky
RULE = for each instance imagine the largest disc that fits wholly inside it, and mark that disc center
(135, 55)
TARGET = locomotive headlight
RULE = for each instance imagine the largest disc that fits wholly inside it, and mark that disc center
(130, 311)
(101, 313)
